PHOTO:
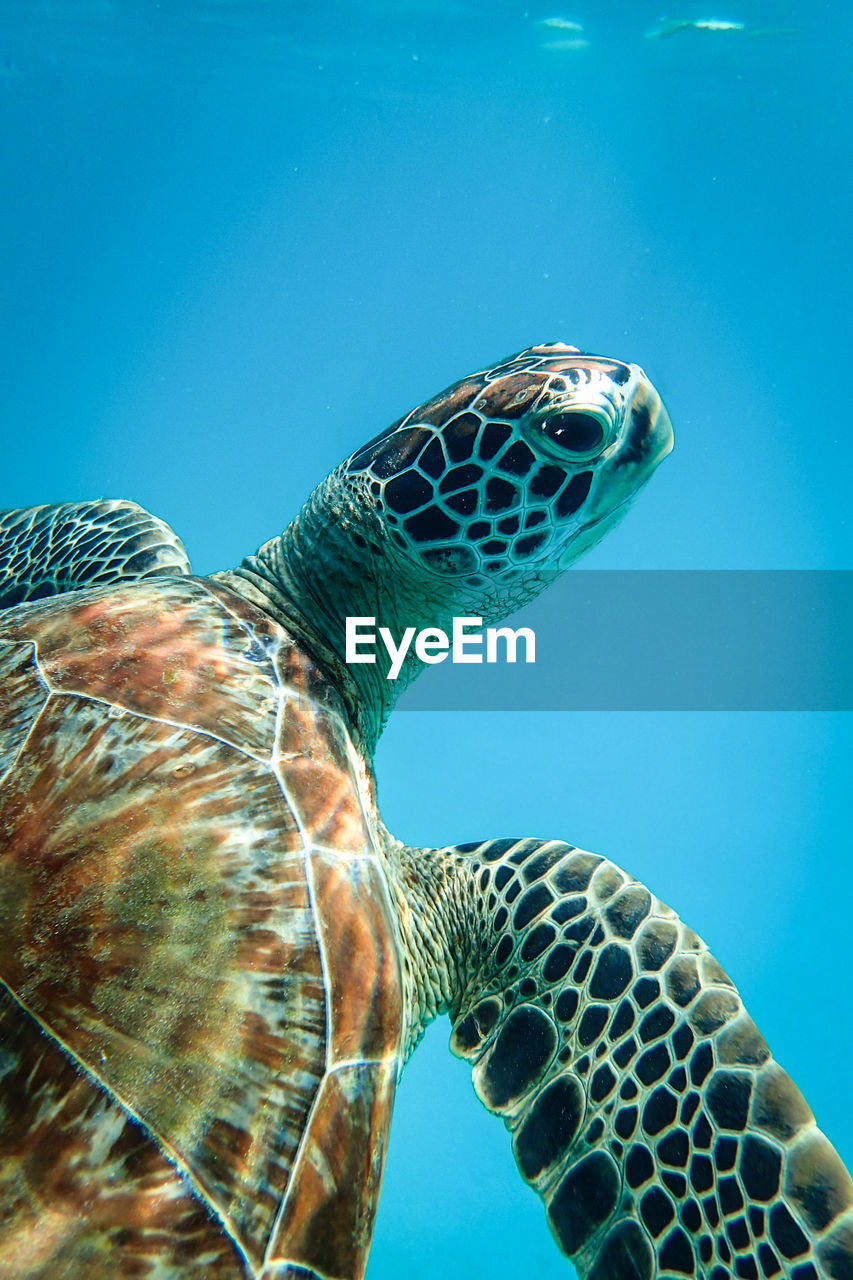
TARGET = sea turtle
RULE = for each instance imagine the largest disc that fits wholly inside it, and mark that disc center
(215, 959)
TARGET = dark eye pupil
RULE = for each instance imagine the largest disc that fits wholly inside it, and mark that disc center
(579, 432)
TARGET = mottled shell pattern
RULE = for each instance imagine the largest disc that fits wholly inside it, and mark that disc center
(197, 930)
(213, 957)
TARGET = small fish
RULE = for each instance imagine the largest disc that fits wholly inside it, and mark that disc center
(670, 27)
(716, 24)
(566, 44)
(561, 24)
(773, 31)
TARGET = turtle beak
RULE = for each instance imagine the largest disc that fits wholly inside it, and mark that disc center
(645, 438)
(659, 436)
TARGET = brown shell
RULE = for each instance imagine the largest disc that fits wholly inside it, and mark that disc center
(200, 996)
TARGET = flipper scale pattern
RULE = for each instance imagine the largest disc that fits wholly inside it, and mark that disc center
(47, 550)
(644, 1106)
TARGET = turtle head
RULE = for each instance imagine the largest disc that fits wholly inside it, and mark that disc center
(470, 504)
(513, 472)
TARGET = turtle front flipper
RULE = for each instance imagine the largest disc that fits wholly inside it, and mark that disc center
(644, 1105)
(47, 550)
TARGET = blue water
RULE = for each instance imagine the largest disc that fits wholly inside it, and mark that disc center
(240, 238)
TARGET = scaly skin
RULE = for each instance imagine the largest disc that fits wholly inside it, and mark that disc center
(47, 550)
(644, 1105)
(470, 505)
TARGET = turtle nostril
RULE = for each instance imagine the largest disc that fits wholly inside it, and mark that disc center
(577, 432)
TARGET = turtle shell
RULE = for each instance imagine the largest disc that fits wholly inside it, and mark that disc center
(200, 1006)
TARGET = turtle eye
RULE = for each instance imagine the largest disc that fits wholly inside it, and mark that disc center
(575, 432)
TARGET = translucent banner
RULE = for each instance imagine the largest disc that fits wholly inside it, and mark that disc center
(659, 640)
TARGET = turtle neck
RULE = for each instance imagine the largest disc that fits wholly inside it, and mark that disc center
(334, 561)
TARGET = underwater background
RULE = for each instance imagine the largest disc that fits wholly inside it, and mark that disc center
(240, 237)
